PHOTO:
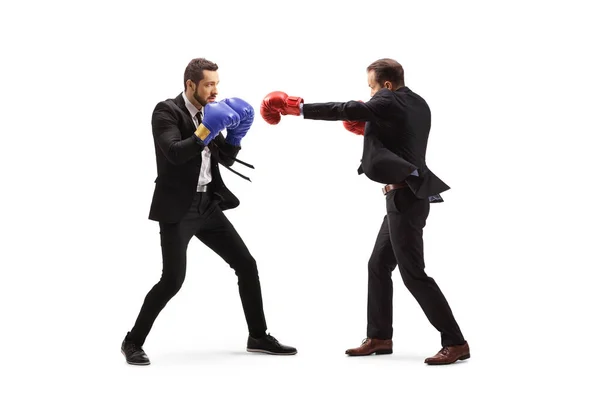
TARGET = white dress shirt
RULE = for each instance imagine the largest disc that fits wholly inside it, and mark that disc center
(205, 176)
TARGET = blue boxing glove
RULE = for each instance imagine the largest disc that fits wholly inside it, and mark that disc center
(217, 116)
(246, 113)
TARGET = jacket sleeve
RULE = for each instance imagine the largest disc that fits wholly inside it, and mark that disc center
(374, 109)
(168, 136)
(227, 152)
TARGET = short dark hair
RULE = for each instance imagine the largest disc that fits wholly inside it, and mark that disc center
(195, 70)
(387, 69)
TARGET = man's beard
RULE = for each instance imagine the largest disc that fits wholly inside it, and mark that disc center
(200, 99)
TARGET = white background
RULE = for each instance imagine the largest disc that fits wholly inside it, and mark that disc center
(513, 88)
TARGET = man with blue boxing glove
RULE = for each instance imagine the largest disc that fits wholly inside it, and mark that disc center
(190, 197)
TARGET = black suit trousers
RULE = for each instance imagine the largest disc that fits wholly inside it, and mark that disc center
(400, 242)
(206, 221)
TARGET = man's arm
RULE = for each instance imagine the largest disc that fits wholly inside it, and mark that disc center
(278, 103)
(167, 135)
(373, 109)
(227, 151)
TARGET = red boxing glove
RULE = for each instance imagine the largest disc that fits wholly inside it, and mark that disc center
(356, 127)
(276, 104)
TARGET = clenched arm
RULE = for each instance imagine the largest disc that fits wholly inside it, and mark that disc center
(167, 135)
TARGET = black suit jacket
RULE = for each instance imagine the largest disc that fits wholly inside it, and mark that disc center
(395, 140)
(178, 161)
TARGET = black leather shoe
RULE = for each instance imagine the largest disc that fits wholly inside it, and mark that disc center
(134, 354)
(269, 345)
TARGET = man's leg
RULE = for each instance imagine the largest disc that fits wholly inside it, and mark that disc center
(174, 240)
(380, 290)
(174, 244)
(219, 235)
(407, 216)
(380, 297)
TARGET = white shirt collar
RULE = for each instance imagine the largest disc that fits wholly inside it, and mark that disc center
(191, 108)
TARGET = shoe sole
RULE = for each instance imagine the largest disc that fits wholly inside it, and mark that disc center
(132, 363)
(461, 358)
(270, 352)
(377, 353)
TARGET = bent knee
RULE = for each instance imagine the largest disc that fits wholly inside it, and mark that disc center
(172, 285)
(413, 276)
(378, 266)
(245, 264)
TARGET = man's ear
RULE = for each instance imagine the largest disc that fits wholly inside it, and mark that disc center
(388, 85)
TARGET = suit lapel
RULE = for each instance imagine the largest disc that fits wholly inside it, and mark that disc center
(181, 104)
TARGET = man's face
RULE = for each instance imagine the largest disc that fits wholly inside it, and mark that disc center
(375, 87)
(206, 90)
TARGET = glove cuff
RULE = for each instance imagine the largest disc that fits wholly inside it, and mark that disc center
(202, 132)
(292, 105)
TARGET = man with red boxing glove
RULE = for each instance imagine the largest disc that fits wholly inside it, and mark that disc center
(395, 124)
(190, 197)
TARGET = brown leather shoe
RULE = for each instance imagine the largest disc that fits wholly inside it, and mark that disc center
(450, 354)
(372, 346)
